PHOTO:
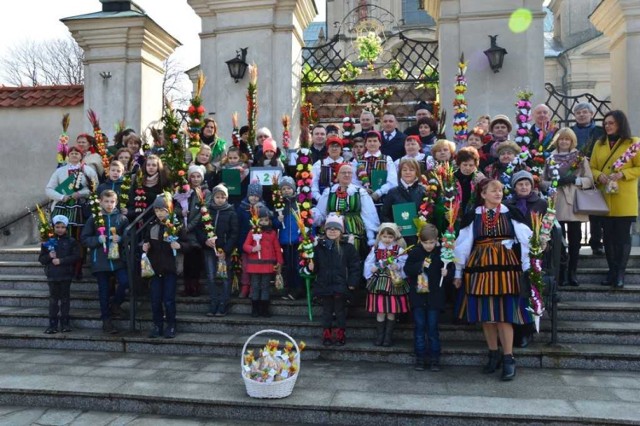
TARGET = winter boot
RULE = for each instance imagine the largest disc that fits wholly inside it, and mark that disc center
(264, 310)
(65, 327)
(326, 337)
(108, 328)
(622, 265)
(388, 333)
(170, 331)
(155, 331)
(340, 337)
(255, 308)
(434, 365)
(379, 333)
(508, 368)
(493, 363)
(420, 361)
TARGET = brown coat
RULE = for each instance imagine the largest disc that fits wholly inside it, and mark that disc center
(567, 193)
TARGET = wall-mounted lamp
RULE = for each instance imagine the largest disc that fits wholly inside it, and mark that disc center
(105, 74)
(495, 54)
(238, 65)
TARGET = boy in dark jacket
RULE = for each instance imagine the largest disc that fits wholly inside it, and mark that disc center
(162, 255)
(218, 248)
(101, 266)
(114, 179)
(337, 268)
(58, 256)
(289, 235)
(424, 270)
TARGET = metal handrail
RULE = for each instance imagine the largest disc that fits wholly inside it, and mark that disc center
(553, 296)
(131, 241)
(23, 215)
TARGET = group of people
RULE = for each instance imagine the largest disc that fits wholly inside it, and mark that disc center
(367, 188)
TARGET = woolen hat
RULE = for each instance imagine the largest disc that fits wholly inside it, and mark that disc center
(60, 219)
(334, 221)
(220, 188)
(522, 174)
(254, 189)
(161, 202)
(195, 168)
(287, 181)
(501, 118)
(269, 145)
(508, 145)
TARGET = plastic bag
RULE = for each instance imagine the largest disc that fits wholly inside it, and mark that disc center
(114, 251)
(423, 284)
(146, 270)
(221, 269)
(279, 281)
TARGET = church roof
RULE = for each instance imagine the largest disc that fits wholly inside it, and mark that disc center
(41, 96)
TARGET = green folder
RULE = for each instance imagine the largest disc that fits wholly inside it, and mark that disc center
(378, 178)
(66, 187)
(231, 179)
(403, 215)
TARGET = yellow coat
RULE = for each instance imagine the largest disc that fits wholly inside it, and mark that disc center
(625, 202)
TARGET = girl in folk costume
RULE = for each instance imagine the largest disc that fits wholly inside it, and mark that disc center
(188, 210)
(387, 289)
(236, 159)
(372, 160)
(87, 145)
(488, 265)
(354, 205)
(147, 186)
(413, 148)
(337, 268)
(203, 158)
(324, 172)
(68, 189)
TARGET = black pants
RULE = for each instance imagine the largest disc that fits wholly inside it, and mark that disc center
(617, 244)
(573, 232)
(595, 225)
(193, 264)
(334, 303)
(59, 293)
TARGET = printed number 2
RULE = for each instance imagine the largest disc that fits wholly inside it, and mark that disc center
(267, 178)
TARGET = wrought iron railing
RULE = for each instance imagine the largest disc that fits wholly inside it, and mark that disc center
(562, 105)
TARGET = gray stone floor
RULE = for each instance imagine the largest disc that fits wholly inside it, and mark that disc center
(573, 394)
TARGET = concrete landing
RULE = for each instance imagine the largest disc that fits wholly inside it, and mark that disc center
(327, 392)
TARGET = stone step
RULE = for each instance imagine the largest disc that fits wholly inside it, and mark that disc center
(598, 311)
(454, 353)
(595, 332)
(29, 253)
(593, 292)
(595, 275)
(39, 282)
(589, 261)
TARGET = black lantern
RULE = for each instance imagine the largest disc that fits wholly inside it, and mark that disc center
(495, 54)
(238, 65)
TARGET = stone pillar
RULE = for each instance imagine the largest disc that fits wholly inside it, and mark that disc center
(124, 51)
(619, 20)
(464, 26)
(272, 30)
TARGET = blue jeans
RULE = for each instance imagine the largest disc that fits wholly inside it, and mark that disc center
(426, 322)
(219, 292)
(291, 274)
(103, 290)
(163, 292)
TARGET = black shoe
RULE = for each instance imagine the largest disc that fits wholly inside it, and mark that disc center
(255, 312)
(51, 330)
(265, 309)
(170, 332)
(108, 328)
(388, 333)
(222, 311)
(493, 363)
(435, 365)
(419, 364)
(155, 332)
(605, 283)
(379, 333)
(599, 251)
(66, 328)
(619, 284)
(524, 341)
(508, 368)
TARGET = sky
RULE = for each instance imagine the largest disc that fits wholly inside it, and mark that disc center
(40, 20)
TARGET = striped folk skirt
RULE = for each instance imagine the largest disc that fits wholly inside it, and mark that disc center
(492, 285)
(72, 211)
(386, 297)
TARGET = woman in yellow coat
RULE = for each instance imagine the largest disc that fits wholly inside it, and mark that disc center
(616, 169)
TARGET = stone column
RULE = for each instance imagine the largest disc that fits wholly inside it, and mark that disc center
(464, 26)
(619, 20)
(124, 51)
(272, 30)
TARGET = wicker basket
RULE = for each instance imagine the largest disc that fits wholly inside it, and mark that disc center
(274, 389)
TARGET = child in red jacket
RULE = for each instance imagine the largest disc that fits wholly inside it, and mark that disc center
(263, 261)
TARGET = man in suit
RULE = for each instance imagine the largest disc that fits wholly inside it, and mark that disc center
(392, 138)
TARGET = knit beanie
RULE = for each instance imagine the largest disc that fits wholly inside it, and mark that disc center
(522, 174)
(160, 202)
(287, 181)
(334, 221)
(254, 189)
(60, 219)
(269, 145)
(194, 168)
(220, 188)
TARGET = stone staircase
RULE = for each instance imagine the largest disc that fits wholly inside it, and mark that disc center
(597, 330)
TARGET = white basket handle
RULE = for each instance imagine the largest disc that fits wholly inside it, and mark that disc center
(268, 331)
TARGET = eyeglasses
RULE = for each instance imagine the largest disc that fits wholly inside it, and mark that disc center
(262, 136)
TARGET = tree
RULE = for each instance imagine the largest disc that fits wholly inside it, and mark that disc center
(43, 63)
(175, 83)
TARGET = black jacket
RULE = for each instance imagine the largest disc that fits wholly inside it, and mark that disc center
(434, 299)
(110, 184)
(225, 222)
(90, 238)
(335, 270)
(395, 147)
(160, 252)
(68, 251)
(535, 204)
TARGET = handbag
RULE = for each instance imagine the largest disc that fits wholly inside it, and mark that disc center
(590, 202)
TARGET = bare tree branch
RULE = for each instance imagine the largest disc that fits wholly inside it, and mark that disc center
(175, 83)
